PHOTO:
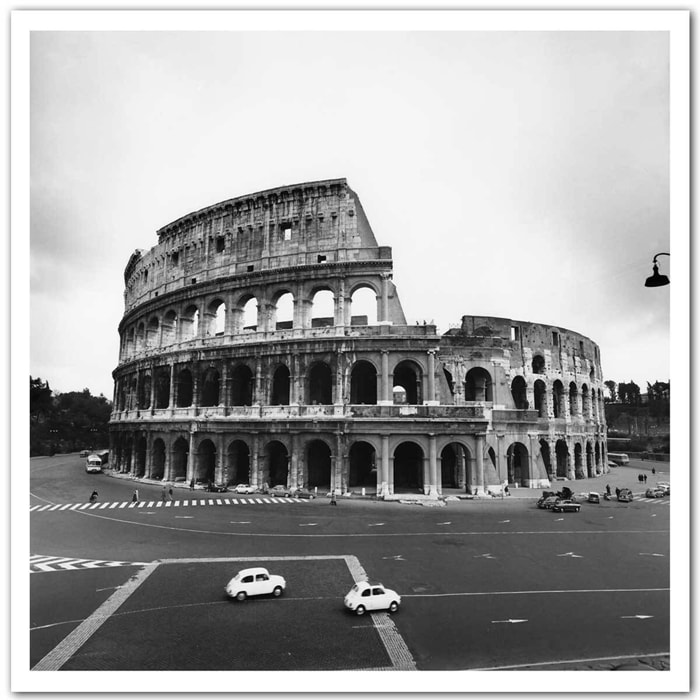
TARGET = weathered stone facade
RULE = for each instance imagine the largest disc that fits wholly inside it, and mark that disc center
(248, 354)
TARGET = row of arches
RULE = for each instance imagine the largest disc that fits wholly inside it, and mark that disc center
(280, 311)
(557, 401)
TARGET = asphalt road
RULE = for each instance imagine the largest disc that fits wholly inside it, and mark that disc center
(485, 584)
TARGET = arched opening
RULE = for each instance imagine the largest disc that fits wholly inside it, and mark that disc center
(453, 469)
(363, 465)
(280, 387)
(573, 399)
(518, 465)
(276, 471)
(407, 377)
(216, 317)
(158, 459)
(169, 329)
(322, 309)
(541, 398)
(318, 465)
(546, 457)
(184, 389)
(538, 364)
(250, 315)
(140, 457)
(189, 323)
(598, 466)
(140, 338)
(320, 384)
(181, 450)
(206, 462)
(586, 401)
(242, 386)
(363, 307)
(578, 461)
(128, 452)
(238, 463)
(210, 387)
(590, 464)
(519, 390)
(284, 312)
(130, 342)
(450, 381)
(144, 392)
(152, 333)
(478, 385)
(562, 451)
(162, 389)
(408, 468)
(558, 399)
(363, 383)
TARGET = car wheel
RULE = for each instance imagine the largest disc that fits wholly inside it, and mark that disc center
(360, 610)
(394, 606)
(240, 595)
(277, 592)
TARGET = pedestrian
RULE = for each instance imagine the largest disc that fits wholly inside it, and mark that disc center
(170, 493)
(617, 491)
(333, 501)
(607, 489)
(653, 471)
(505, 488)
(162, 495)
(135, 497)
(645, 478)
(93, 496)
(192, 484)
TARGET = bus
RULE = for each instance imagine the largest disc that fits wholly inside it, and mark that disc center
(619, 458)
(95, 461)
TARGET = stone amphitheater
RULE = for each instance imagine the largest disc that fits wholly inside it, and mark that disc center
(263, 342)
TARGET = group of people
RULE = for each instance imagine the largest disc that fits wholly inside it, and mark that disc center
(642, 478)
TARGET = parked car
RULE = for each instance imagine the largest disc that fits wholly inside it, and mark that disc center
(84, 453)
(655, 492)
(303, 493)
(217, 488)
(611, 464)
(566, 505)
(244, 488)
(278, 491)
(547, 502)
(594, 497)
(255, 581)
(625, 495)
(365, 596)
(665, 486)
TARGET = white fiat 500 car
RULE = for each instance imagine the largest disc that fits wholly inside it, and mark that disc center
(244, 488)
(255, 581)
(365, 596)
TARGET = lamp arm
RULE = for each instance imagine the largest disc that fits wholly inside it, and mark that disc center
(657, 255)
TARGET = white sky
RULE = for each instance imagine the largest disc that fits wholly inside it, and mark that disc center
(514, 174)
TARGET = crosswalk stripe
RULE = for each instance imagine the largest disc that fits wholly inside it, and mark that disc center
(270, 500)
(177, 503)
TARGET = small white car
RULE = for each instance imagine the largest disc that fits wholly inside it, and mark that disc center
(244, 488)
(366, 596)
(255, 581)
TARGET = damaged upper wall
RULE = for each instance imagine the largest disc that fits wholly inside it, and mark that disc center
(288, 226)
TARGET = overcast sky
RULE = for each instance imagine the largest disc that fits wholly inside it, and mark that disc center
(514, 174)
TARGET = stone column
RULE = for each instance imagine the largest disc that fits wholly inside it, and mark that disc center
(386, 388)
(431, 378)
(339, 384)
(173, 387)
(293, 365)
(254, 463)
(258, 383)
(570, 460)
(383, 472)
(219, 468)
(191, 455)
(479, 437)
(339, 305)
(294, 464)
(147, 467)
(435, 486)
(195, 388)
(384, 307)
(153, 387)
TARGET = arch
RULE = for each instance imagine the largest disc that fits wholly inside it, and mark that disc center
(152, 332)
(206, 462)
(189, 323)
(362, 470)
(541, 398)
(478, 385)
(590, 463)
(237, 463)
(363, 383)
(453, 466)
(162, 389)
(140, 456)
(143, 399)
(249, 314)
(546, 457)
(210, 387)
(558, 398)
(180, 454)
(184, 388)
(538, 364)
(169, 328)
(280, 387)
(242, 382)
(407, 376)
(158, 459)
(578, 461)
(408, 468)
(322, 309)
(216, 317)
(573, 399)
(363, 306)
(562, 453)
(284, 311)
(320, 384)
(140, 339)
(276, 468)
(130, 341)
(318, 465)
(518, 461)
(585, 401)
(518, 389)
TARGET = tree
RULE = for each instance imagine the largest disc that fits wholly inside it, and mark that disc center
(612, 388)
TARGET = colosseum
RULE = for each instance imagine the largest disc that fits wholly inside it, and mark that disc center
(263, 342)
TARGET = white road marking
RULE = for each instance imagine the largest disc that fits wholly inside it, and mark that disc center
(159, 504)
(396, 557)
(566, 661)
(635, 617)
(549, 592)
(484, 556)
(110, 588)
(556, 520)
(650, 554)
(307, 524)
(448, 522)
(239, 522)
(571, 554)
(496, 622)
(184, 517)
(375, 524)
(507, 521)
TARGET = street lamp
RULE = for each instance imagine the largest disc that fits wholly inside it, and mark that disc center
(657, 280)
